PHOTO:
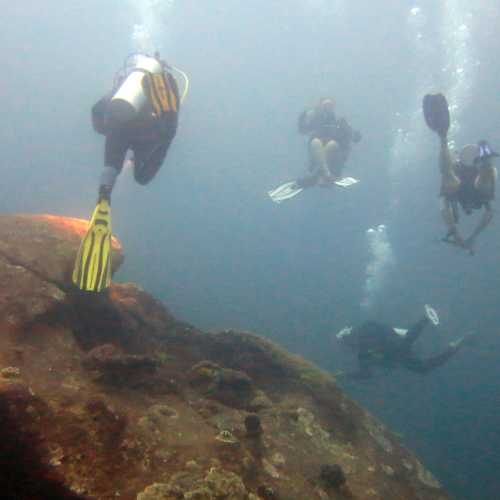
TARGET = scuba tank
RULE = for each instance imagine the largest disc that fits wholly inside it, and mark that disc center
(130, 99)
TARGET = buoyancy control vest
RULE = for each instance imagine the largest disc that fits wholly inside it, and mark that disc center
(145, 83)
(467, 195)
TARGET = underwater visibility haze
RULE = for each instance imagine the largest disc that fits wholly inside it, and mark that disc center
(205, 238)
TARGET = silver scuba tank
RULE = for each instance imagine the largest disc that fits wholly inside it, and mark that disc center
(130, 99)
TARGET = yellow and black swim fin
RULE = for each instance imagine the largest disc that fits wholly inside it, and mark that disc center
(92, 271)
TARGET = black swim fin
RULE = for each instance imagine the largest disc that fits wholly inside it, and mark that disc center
(436, 113)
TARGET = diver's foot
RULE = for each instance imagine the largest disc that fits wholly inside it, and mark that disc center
(456, 344)
(431, 314)
(104, 194)
(468, 340)
(327, 180)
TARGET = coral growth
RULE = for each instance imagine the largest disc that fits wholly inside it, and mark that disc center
(109, 396)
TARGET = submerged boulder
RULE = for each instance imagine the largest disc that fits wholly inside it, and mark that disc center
(110, 396)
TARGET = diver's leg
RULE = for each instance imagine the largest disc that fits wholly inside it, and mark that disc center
(307, 181)
(449, 212)
(318, 157)
(450, 181)
(150, 155)
(415, 331)
(147, 161)
(115, 150)
(335, 158)
(424, 366)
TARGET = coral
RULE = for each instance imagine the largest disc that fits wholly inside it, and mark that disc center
(230, 387)
(226, 436)
(253, 426)
(332, 475)
(10, 372)
(267, 493)
(225, 484)
(117, 395)
(25, 474)
(157, 491)
(216, 485)
(115, 367)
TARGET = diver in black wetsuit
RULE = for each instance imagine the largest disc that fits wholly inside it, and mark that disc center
(378, 344)
(149, 132)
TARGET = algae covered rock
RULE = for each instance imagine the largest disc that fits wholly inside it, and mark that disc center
(114, 366)
(46, 245)
(216, 485)
(111, 397)
(231, 387)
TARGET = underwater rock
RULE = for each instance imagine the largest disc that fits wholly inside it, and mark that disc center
(332, 475)
(253, 426)
(115, 398)
(24, 295)
(259, 402)
(10, 372)
(230, 387)
(225, 484)
(267, 493)
(25, 471)
(46, 245)
(216, 485)
(157, 491)
(116, 367)
(426, 477)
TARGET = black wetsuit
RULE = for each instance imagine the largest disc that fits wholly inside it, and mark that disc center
(379, 344)
(326, 127)
(467, 195)
(149, 136)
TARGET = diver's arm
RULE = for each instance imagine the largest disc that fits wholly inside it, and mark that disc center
(98, 114)
(347, 131)
(483, 223)
(356, 136)
(363, 373)
(445, 159)
(306, 120)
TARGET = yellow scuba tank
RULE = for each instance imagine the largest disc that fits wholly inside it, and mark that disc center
(130, 98)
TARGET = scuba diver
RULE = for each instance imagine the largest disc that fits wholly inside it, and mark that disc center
(377, 344)
(139, 115)
(467, 182)
(330, 140)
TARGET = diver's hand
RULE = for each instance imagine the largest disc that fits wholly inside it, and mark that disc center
(456, 238)
(453, 237)
(469, 244)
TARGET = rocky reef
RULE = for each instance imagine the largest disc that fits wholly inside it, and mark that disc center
(111, 397)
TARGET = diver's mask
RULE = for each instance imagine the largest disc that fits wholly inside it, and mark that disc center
(485, 154)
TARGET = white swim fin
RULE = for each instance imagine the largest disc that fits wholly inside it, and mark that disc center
(431, 314)
(346, 182)
(285, 192)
